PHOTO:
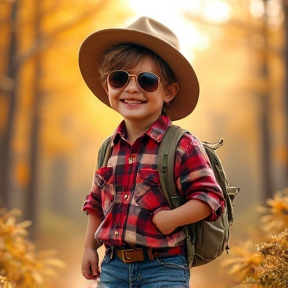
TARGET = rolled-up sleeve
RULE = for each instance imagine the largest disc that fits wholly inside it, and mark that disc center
(194, 176)
(92, 204)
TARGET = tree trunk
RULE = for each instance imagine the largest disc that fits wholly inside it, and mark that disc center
(265, 116)
(30, 200)
(285, 9)
(6, 139)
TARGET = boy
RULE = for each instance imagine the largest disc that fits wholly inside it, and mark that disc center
(140, 73)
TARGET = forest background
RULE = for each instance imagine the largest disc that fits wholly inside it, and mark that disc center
(51, 125)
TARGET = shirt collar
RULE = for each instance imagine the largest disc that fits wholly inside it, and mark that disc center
(156, 131)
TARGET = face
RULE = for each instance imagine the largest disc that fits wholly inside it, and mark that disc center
(137, 105)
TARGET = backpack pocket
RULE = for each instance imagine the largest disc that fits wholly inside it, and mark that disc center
(211, 239)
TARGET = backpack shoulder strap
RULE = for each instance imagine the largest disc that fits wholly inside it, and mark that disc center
(166, 158)
(104, 153)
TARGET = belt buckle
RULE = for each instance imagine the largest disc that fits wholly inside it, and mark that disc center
(133, 257)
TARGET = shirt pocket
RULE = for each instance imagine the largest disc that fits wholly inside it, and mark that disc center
(104, 179)
(148, 192)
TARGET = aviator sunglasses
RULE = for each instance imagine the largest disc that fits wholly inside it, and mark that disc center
(147, 81)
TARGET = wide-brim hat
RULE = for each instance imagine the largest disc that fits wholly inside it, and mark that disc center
(155, 36)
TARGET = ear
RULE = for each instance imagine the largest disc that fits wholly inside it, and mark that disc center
(171, 92)
(105, 86)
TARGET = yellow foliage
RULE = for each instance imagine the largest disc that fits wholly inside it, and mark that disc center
(245, 262)
(276, 219)
(4, 283)
(265, 264)
(20, 264)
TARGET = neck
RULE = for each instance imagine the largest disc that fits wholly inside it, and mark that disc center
(136, 129)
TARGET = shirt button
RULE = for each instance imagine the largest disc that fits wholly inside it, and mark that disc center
(116, 233)
(126, 196)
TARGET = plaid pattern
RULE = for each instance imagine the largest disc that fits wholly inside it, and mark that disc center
(127, 192)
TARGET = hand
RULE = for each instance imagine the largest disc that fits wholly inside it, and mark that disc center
(89, 265)
(164, 221)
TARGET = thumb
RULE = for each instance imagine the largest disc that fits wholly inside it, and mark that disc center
(95, 270)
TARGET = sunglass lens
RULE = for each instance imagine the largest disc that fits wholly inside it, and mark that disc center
(148, 81)
(118, 79)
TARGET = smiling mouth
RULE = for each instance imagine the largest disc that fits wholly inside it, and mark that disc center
(127, 101)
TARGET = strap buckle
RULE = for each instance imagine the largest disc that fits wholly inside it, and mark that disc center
(131, 255)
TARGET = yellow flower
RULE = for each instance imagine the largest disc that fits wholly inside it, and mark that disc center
(245, 262)
(20, 264)
(276, 219)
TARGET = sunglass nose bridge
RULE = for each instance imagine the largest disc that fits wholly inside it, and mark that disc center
(132, 76)
(134, 81)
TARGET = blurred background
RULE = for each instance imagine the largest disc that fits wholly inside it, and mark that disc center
(51, 125)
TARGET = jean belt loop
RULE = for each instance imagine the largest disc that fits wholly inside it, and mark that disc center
(112, 252)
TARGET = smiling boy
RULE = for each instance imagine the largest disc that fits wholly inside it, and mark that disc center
(139, 72)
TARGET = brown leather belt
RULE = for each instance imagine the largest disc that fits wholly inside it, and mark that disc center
(141, 254)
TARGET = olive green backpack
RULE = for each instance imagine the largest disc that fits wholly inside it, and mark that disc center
(205, 240)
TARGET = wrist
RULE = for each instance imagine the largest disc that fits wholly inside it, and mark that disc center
(174, 218)
(95, 245)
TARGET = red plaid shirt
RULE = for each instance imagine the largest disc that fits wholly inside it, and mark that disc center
(127, 192)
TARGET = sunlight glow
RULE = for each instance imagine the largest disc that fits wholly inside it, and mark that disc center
(217, 11)
(173, 14)
(257, 8)
(189, 36)
(274, 13)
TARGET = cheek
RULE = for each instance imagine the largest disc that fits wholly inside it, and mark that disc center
(162, 96)
(113, 96)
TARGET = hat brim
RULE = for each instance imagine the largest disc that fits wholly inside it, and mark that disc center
(98, 42)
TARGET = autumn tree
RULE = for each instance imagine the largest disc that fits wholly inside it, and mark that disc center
(256, 27)
(32, 29)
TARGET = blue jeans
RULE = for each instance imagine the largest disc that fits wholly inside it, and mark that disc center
(160, 273)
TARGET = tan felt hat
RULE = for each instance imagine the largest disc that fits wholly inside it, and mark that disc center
(155, 36)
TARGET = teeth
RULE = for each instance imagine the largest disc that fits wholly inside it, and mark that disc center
(132, 101)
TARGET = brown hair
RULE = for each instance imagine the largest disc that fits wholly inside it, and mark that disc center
(126, 56)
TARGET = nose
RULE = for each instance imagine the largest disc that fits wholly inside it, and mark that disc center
(132, 84)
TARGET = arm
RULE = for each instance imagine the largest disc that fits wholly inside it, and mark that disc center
(196, 182)
(190, 212)
(89, 265)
